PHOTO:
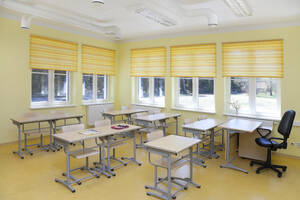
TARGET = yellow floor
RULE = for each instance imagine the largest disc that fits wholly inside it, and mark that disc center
(33, 178)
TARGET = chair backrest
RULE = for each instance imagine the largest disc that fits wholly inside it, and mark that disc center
(99, 123)
(58, 112)
(187, 121)
(31, 114)
(201, 117)
(125, 107)
(155, 134)
(286, 123)
(154, 111)
(74, 127)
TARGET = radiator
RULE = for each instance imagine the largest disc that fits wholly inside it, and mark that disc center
(94, 112)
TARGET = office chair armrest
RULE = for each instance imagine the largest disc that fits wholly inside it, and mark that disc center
(261, 131)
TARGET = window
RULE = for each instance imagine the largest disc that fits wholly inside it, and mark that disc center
(196, 93)
(49, 87)
(151, 91)
(94, 88)
(255, 96)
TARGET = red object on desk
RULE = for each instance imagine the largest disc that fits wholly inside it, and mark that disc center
(119, 127)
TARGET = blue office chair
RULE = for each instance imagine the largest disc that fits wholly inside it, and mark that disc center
(284, 128)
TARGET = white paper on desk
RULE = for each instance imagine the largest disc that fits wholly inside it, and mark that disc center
(89, 132)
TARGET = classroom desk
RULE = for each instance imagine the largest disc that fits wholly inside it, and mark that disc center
(128, 112)
(206, 127)
(166, 147)
(105, 135)
(233, 126)
(50, 118)
(161, 117)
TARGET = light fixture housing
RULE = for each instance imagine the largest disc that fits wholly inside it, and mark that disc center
(239, 7)
(98, 1)
(155, 16)
(26, 21)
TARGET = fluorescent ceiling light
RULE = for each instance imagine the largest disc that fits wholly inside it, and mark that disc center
(98, 1)
(155, 16)
(239, 7)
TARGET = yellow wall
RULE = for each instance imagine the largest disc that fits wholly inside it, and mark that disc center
(15, 72)
(290, 93)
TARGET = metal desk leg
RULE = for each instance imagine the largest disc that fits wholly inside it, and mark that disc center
(176, 118)
(19, 152)
(100, 166)
(67, 182)
(163, 123)
(133, 159)
(212, 145)
(108, 167)
(228, 163)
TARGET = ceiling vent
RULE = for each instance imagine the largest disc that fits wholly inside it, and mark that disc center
(239, 7)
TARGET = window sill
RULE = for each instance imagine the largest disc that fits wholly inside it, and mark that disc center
(148, 105)
(193, 110)
(96, 103)
(51, 106)
(252, 116)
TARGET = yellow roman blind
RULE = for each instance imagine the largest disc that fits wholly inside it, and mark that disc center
(253, 59)
(193, 60)
(95, 60)
(149, 62)
(51, 54)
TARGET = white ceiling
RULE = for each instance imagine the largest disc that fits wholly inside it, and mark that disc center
(119, 13)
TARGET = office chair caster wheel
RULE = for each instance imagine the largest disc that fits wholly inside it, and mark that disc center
(140, 164)
(112, 170)
(159, 179)
(23, 149)
(122, 158)
(185, 188)
(257, 171)
(113, 175)
(251, 164)
(47, 150)
(55, 180)
(148, 194)
(279, 175)
(79, 183)
(108, 176)
(204, 166)
(63, 174)
(22, 157)
(173, 197)
(198, 186)
(146, 187)
(284, 169)
(73, 191)
(31, 154)
(53, 150)
(97, 176)
(125, 164)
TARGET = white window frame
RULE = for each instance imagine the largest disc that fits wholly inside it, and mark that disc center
(195, 95)
(51, 102)
(95, 100)
(252, 99)
(151, 92)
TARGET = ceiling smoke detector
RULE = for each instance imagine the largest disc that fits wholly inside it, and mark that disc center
(98, 1)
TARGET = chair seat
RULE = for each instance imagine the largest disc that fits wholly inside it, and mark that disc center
(265, 142)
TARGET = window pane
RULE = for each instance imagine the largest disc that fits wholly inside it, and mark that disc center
(101, 87)
(61, 85)
(159, 91)
(185, 97)
(239, 91)
(39, 85)
(206, 97)
(266, 95)
(144, 90)
(87, 87)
